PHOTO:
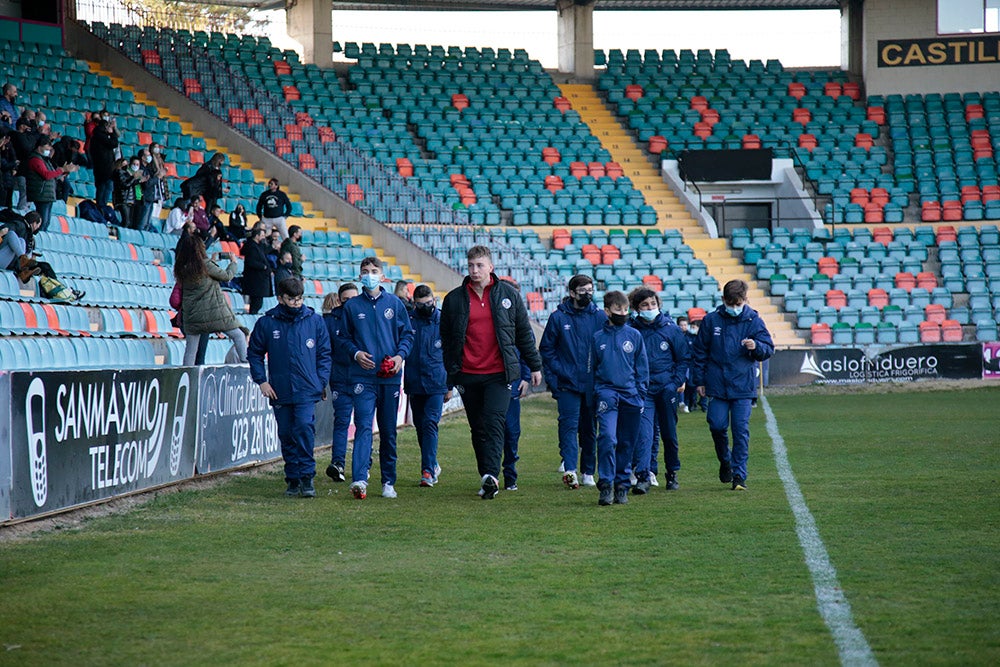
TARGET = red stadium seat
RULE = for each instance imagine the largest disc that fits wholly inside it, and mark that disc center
(807, 141)
(905, 280)
(836, 298)
(878, 297)
(750, 142)
(935, 312)
(801, 116)
(657, 144)
(821, 334)
(873, 213)
(951, 331)
(927, 280)
(882, 235)
(930, 332)
(852, 90)
(562, 104)
(699, 102)
(876, 114)
(634, 91)
(945, 233)
(930, 211)
(696, 314)
(827, 266)
(796, 90)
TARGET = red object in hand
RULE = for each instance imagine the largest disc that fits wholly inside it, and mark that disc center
(386, 368)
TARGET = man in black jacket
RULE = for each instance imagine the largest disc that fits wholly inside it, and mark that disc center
(273, 206)
(484, 324)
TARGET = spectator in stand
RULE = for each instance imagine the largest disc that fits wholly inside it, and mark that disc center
(159, 160)
(89, 125)
(238, 223)
(274, 248)
(204, 307)
(8, 107)
(256, 270)
(219, 227)
(40, 180)
(104, 150)
(330, 301)
(25, 141)
(152, 191)
(128, 178)
(207, 181)
(402, 292)
(178, 217)
(8, 165)
(285, 268)
(291, 246)
(199, 216)
(273, 206)
(17, 245)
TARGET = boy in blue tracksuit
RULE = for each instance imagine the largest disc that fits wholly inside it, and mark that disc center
(377, 336)
(512, 428)
(668, 356)
(621, 376)
(340, 388)
(565, 350)
(731, 341)
(425, 381)
(691, 398)
(297, 345)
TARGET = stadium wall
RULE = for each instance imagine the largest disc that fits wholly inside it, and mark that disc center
(903, 52)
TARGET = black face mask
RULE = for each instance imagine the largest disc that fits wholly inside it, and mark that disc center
(583, 300)
(423, 309)
(618, 320)
(293, 311)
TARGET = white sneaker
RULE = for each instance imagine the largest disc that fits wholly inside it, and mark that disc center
(588, 480)
(632, 479)
(570, 479)
(437, 472)
(687, 409)
(562, 466)
(652, 479)
(359, 490)
(388, 491)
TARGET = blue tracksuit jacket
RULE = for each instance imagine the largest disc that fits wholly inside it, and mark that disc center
(619, 364)
(424, 372)
(667, 351)
(298, 354)
(340, 369)
(565, 346)
(721, 364)
(378, 326)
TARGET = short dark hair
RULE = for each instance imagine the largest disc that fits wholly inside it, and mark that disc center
(640, 294)
(422, 291)
(347, 287)
(735, 290)
(615, 298)
(275, 181)
(293, 230)
(477, 251)
(32, 217)
(372, 260)
(291, 286)
(579, 280)
(681, 318)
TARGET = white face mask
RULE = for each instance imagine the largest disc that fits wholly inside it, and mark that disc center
(105, 117)
(134, 167)
(156, 150)
(147, 159)
(46, 152)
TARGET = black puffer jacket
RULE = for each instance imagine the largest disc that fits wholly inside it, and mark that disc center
(510, 320)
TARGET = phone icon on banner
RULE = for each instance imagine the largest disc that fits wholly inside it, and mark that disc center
(34, 413)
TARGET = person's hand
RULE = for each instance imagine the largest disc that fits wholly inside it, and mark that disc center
(680, 389)
(536, 378)
(749, 343)
(701, 392)
(268, 391)
(523, 389)
(322, 396)
(364, 360)
(448, 395)
(397, 364)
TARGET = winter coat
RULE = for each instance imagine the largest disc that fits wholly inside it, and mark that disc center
(379, 326)
(424, 373)
(292, 248)
(619, 363)
(721, 364)
(203, 305)
(510, 321)
(667, 352)
(125, 182)
(273, 204)
(103, 147)
(341, 367)
(256, 270)
(40, 181)
(565, 346)
(297, 347)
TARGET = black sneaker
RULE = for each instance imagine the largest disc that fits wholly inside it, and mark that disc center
(642, 487)
(621, 495)
(607, 494)
(510, 487)
(335, 471)
(490, 488)
(306, 487)
(725, 473)
(672, 484)
(293, 488)
(739, 484)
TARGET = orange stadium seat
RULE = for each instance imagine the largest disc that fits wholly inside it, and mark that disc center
(930, 332)
(935, 312)
(878, 297)
(951, 331)
(905, 280)
(821, 334)
(827, 266)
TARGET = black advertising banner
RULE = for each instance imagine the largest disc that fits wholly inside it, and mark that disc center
(882, 364)
(77, 437)
(235, 422)
(4, 446)
(957, 50)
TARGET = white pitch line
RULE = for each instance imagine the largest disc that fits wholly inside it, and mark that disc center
(830, 599)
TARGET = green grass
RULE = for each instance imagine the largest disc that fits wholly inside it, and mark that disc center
(902, 487)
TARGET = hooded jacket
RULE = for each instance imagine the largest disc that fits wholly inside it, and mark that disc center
(379, 326)
(341, 365)
(424, 373)
(298, 354)
(204, 306)
(565, 346)
(721, 364)
(273, 204)
(510, 321)
(667, 352)
(619, 364)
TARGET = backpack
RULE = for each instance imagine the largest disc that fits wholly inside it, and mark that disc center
(88, 210)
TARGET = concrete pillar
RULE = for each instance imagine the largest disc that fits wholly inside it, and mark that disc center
(576, 38)
(852, 37)
(310, 23)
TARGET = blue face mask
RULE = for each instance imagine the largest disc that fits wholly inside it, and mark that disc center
(371, 280)
(648, 315)
(734, 311)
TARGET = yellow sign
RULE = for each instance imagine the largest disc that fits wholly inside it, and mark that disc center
(942, 51)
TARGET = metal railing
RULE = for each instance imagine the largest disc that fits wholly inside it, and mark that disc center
(190, 16)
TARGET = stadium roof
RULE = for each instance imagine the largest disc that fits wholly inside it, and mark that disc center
(523, 5)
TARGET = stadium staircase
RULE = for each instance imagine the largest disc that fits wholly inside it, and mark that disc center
(721, 262)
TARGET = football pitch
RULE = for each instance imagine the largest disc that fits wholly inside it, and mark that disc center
(873, 536)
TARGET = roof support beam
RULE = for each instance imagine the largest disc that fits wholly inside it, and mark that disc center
(576, 38)
(310, 23)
